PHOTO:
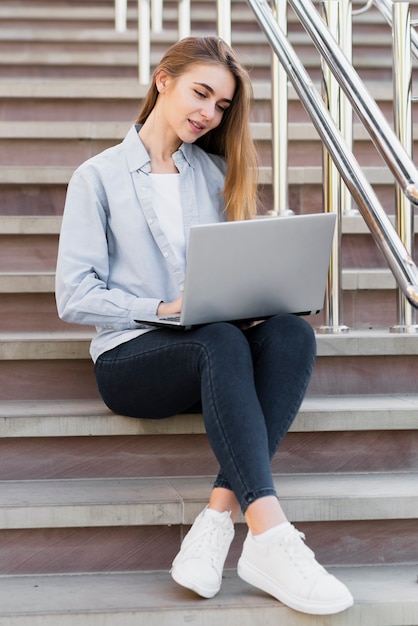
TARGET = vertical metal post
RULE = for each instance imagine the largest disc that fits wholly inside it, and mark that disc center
(184, 19)
(144, 41)
(120, 15)
(224, 20)
(333, 185)
(346, 110)
(279, 128)
(156, 16)
(402, 98)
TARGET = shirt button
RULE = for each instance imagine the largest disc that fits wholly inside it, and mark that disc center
(181, 287)
(150, 221)
(166, 255)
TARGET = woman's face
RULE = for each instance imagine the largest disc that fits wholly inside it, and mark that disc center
(194, 103)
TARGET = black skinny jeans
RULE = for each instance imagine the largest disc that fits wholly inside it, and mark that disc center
(250, 385)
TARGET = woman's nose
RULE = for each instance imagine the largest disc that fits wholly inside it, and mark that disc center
(208, 110)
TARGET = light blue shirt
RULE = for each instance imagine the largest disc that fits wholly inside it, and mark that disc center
(115, 264)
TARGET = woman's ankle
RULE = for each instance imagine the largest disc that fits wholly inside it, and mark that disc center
(264, 514)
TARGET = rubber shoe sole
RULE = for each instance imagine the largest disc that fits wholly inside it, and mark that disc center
(257, 578)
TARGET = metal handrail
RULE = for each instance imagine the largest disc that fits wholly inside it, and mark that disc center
(385, 8)
(403, 124)
(381, 228)
(366, 108)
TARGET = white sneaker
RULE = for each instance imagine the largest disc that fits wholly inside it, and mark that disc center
(287, 569)
(200, 562)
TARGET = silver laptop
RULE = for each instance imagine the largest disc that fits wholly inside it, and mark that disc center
(253, 269)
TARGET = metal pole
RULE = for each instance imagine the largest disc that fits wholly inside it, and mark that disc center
(333, 184)
(279, 115)
(120, 15)
(156, 16)
(184, 19)
(368, 111)
(402, 79)
(224, 20)
(144, 41)
(346, 110)
(399, 260)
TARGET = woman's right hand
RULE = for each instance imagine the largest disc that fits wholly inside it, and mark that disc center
(170, 308)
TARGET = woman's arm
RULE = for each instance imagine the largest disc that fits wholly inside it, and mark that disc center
(83, 295)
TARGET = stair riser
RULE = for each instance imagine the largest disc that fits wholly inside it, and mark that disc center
(35, 253)
(40, 458)
(76, 109)
(39, 252)
(32, 199)
(66, 71)
(360, 309)
(124, 108)
(146, 548)
(54, 380)
(72, 379)
(130, 71)
(72, 152)
(41, 199)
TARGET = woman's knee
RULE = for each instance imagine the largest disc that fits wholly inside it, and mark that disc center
(223, 342)
(291, 331)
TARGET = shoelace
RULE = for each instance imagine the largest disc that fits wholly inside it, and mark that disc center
(300, 553)
(214, 543)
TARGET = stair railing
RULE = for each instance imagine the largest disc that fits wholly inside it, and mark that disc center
(402, 34)
(404, 171)
(380, 226)
(150, 20)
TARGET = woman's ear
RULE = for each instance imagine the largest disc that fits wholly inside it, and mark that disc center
(161, 80)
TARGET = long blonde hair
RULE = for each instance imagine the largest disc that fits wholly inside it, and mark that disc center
(232, 138)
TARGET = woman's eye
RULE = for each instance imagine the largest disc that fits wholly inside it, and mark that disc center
(200, 94)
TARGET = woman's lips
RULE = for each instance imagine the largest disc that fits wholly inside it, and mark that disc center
(196, 126)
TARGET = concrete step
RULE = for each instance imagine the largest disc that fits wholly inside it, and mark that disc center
(56, 365)
(43, 281)
(31, 310)
(65, 457)
(132, 548)
(94, 99)
(370, 66)
(91, 36)
(33, 143)
(91, 418)
(74, 345)
(298, 175)
(82, 503)
(27, 225)
(56, 526)
(384, 596)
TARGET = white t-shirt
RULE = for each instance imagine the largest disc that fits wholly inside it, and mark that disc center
(166, 202)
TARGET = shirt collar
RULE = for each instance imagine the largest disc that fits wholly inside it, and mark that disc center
(138, 158)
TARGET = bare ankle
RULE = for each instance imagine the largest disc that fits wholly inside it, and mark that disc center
(264, 514)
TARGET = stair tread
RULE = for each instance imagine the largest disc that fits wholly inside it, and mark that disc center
(75, 344)
(70, 88)
(60, 175)
(383, 595)
(63, 35)
(20, 281)
(70, 418)
(116, 130)
(62, 503)
(51, 224)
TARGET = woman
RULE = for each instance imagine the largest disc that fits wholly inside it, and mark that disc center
(190, 159)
